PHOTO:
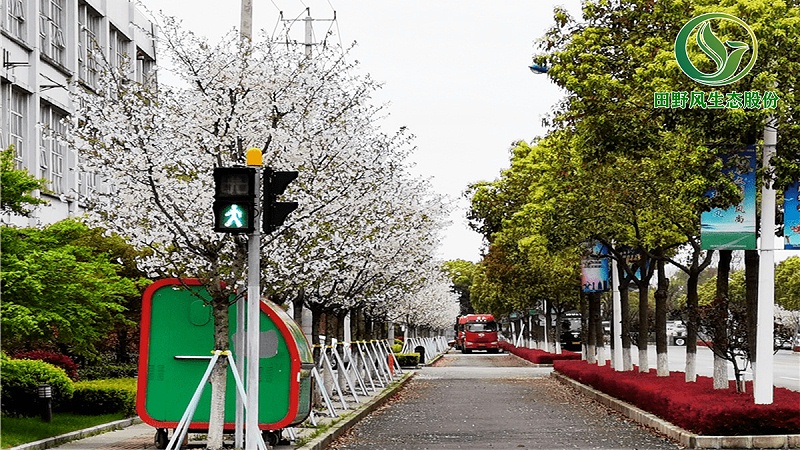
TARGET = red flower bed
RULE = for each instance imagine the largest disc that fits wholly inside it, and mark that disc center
(696, 407)
(537, 356)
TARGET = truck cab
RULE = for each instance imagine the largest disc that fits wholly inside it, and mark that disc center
(477, 332)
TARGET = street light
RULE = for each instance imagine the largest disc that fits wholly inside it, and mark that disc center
(45, 392)
(537, 69)
(616, 298)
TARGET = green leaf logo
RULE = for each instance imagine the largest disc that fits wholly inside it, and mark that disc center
(727, 56)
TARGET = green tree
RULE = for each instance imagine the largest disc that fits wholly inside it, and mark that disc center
(461, 272)
(787, 284)
(17, 185)
(62, 289)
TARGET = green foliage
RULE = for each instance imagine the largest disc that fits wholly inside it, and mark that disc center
(102, 369)
(787, 284)
(407, 359)
(21, 377)
(397, 348)
(105, 396)
(62, 287)
(461, 273)
(16, 186)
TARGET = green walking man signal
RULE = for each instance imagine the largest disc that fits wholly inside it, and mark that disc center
(235, 199)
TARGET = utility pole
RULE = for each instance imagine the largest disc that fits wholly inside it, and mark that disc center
(253, 434)
(308, 30)
(764, 366)
(240, 341)
(308, 44)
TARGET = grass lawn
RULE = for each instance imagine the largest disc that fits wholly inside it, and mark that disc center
(20, 430)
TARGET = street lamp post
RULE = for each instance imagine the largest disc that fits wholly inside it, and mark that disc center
(616, 306)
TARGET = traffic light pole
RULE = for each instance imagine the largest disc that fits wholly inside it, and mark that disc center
(252, 433)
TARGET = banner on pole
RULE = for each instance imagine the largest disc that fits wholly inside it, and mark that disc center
(734, 228)
(595, 269)
(791, 217)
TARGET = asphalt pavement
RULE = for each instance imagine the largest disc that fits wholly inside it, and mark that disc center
(484, 401)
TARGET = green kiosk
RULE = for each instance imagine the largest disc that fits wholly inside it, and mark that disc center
(176, 344)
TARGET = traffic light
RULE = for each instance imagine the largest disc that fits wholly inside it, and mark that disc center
(275, 212)
(234, 199)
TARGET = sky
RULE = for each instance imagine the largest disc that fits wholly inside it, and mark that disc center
(454, 72)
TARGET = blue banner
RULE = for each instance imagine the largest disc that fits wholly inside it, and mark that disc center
(791, 217)
(595, 269)
(734, 228)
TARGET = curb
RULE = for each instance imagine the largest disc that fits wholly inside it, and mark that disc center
(683, 437)
(79, 434)
(345, 423)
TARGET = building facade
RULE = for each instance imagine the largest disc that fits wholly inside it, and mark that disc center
(46, 44)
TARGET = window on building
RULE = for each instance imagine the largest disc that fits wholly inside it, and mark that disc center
(87, 182)
(119, 54)
(18, 105)
(51, 29)
(88, 44)
(14, 21)
(144, 66)
(53, 148)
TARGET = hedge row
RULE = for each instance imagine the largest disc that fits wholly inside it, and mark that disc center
(22, 377)
(407, 359)
(696, 407)
(105, 397)
(538, 356)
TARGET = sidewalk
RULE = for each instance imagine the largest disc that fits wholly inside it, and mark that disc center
(138, 435)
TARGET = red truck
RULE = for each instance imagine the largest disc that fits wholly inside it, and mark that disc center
(477, 332)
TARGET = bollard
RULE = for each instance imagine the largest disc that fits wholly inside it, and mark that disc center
(45, 392)
(421, 350)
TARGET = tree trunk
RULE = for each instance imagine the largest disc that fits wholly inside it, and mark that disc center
(691, 326)
(316, 316)
(644, 327)
(599, 331)
(585, 326)
(720, 340)
(218, 374)
(591, 335)
(751, 261)
(627, 362)
(548, 320)
(557, 338)
(662, 359)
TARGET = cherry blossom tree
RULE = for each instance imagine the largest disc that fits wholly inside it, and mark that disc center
(364, 226)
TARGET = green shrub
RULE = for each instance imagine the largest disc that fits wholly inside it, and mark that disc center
(407, 359)
(397, 348)
(20, 380)
(107, 371)
(105, 397)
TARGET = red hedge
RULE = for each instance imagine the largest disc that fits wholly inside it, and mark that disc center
(538, 356)
(696, 407)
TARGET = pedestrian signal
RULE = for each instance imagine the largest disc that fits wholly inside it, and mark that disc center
(234, 199)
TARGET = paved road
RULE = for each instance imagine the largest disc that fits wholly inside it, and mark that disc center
(482, 401)
(786, 371)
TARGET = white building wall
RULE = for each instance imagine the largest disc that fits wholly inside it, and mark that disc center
(34, 87)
